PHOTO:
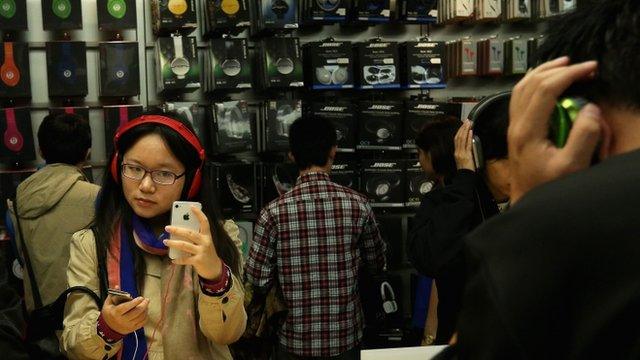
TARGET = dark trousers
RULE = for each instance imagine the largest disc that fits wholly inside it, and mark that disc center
(281, 353)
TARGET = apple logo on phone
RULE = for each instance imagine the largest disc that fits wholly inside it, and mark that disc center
(185, 217)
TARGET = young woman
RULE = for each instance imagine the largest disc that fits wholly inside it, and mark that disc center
(188, 308)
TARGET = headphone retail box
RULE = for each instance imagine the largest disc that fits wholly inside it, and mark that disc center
(520, 9)
(516, 57)
(380, 125)
(330, 66)
(116, 14)
(378, 11)
(325, 11)
(227, 65)
(235, 187)
(14, 70)
(277, 179)
(273, 125)
(67, 68)
(177, 67)
(343, 116)
(281, 63)
(17, 145)
(246, 236)
(62, 14)
(345, 174)
(378, 63)
(419, 113)
(383, 182)
(418, 183)
(221, 16)
(116, 116)
(420, 11)
(469, 55)
(173, 15)
(424, 64)
(82, 111)
(231, 127)
(119, 69)
(195, 114)
(9, 182)
(488, 10)
(13, 15)
(490, 57)
(277, 14)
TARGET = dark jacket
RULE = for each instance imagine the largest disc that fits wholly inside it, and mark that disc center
(445, 216)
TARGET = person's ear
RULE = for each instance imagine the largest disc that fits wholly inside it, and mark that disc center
(332, 153)
(291, 157)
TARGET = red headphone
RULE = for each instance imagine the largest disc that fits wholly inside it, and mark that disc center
(175, 125)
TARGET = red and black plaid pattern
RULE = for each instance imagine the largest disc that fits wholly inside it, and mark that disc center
(314, 238)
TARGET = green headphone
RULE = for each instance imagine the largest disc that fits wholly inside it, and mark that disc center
(117, 8)
(565, 114)
(7, 8)
(61, 8)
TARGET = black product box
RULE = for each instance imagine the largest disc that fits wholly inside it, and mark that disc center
(9, 181)
(378, 63)
(230, 65)
(62, 14)
(278, 14)
(17, 143)
(419, 113)
(116, 14)
(274, 125)
(82, 111)
(345, 174)
(383, 182)
(67, 68)
(235, 187)
(378, 11)
(173, 15)
(326, 11)
(343, 117)
(418, 183)
(195, 114)
(13, 15)
(14, 70)
(177, 67)
(119, 69)
(330, 65)
(277, 179)
(420, 11)
(282, 63)
(227, 15)
(116, 116)
(380, 125)
(424, 65)
(231, 127)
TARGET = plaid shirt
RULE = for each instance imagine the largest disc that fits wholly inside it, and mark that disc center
(314, 238)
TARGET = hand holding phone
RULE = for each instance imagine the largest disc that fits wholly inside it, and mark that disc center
(183, 217)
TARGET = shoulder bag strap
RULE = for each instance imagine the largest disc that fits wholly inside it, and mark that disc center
(27, 259)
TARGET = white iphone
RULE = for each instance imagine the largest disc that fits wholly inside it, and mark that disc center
(183, 217)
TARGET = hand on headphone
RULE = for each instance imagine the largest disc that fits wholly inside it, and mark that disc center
(203, 255)
(463, 147)
(533, 158)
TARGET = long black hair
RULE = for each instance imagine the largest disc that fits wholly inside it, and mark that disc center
(113, 208)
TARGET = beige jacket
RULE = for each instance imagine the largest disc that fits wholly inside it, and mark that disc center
(204, 334)
(53, 203)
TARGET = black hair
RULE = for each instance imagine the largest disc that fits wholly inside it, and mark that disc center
(64, 138)
(310, 141)
(607, 31)
(491, 127)
(436, 138)
(113, 208)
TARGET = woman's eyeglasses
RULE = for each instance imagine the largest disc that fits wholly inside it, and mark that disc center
(161, 177)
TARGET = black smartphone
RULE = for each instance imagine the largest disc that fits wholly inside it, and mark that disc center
(118, 296)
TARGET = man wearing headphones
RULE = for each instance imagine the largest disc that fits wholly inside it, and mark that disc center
(478, 190)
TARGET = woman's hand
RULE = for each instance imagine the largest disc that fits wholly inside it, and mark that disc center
(126, 317)
(463, 147)
(202, 254)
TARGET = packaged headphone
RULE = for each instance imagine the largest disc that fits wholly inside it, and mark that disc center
(119, 69)
(342, 115)
(67, 68)
(345, 174)
(231, 129)
(474, 116)
(378, 63)
(488, 10)
(82, 111)
(116, 14)
(418, 183)
(375, 11)
(490, 57)
(329, 64)
(195, 114)
(325, 11)
(516, 56)
(276, 15)
(380, 125)
(424, 64)
(177, 64)
(115, 117)
(518, 9)
(17, 137)
(235, 186)
(227, 65)
(225, 16)
(383, 182)
(13, 15)
(419, 11)
(276, 179)
(173, 15)
(274, 122)
(62, 14)
(418, 113)
(14, 70)
(281, 63)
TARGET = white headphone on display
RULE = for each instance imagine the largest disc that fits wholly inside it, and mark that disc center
(388, 304)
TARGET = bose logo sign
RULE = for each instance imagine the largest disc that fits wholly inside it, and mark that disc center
(426, 107)
(339, 167)
(333, 108)
(427, 45)
(383, 45)
(334, 44)
(381, 107)
(383, 165)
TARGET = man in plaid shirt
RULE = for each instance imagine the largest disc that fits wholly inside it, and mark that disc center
(311, 242)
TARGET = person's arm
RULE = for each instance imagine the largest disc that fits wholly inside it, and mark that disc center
(260, 267)
(372, 245)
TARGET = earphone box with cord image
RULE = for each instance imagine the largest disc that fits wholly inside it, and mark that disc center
(516, 56)
(229, 64)
(380, 125)
(235, 186)
(119, 69)
(377, 11)
(276, 179)
(177, 67)
(173, 15)
(378, 65)
(67, 68)
(15, 80)
(62, 14)
(116, 14)
(277, 14)
(225, 16)
(418, 183)
(329, 65)
(281, 62)
(383, 181)
(325, 11)
(231, 127)
(418, 113)
(17, 146)
(424, 65)
(13, 15)
(195, 114)
(116, 116)
(345, 173)
(343, 116)
(280, 114)
(419, 11)
(246, 236)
